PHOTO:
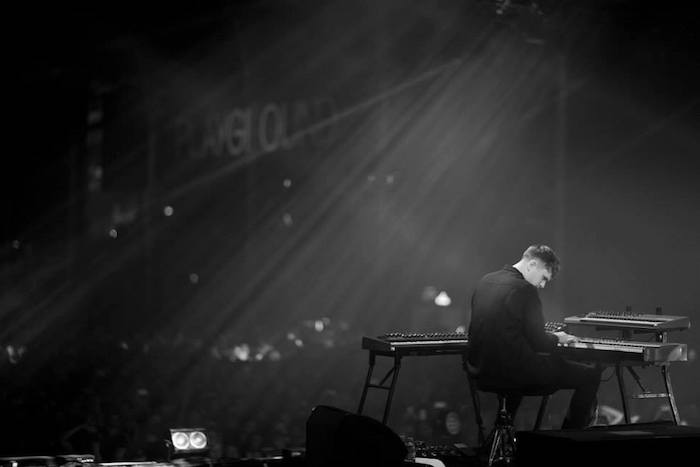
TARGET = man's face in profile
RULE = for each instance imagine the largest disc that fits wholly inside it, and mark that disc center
(537, 273)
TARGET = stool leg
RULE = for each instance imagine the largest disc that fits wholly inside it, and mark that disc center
(496, 448)
(503, 446)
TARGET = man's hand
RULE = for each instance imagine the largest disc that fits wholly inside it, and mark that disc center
(565, 339)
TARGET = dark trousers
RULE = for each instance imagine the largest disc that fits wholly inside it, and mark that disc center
(583, 378)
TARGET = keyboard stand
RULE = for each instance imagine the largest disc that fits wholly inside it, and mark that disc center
(665, 369)
(393, 373)
(668, 395)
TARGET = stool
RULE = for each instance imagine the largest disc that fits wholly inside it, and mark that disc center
(503, 440)
(477, 404)
(503, 443)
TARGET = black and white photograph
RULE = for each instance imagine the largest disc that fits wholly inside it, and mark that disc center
(349, 233)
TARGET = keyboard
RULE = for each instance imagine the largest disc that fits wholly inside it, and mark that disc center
(432, 343)
(429, 343)
(615, 350)
(631, 321)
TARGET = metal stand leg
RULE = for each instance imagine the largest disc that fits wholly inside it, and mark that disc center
(637, 379)
(623, 393)
(669, 391)
(390, 396)
(372, 359)
(540, 412)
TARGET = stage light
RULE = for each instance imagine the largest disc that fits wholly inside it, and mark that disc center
(442, 299)
(188, 440)
(180, 440)
(198, 440)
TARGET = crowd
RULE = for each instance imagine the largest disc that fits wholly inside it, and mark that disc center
(118, 398)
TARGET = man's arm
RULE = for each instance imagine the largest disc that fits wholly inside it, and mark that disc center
(533, 321)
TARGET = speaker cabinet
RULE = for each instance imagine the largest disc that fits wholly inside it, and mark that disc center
(335, 437)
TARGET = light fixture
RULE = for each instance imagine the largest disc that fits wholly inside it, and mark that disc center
(188, 440)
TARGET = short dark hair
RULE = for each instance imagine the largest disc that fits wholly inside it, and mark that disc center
(546, 255)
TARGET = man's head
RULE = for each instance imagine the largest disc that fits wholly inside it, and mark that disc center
(538, 265)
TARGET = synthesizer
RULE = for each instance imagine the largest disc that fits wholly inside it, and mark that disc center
(418, 343)
(619, 351)
(630, 321)
(431, 342)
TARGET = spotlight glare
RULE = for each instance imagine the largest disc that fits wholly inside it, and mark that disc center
(443, 299)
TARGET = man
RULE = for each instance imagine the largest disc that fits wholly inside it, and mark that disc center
(509, 350)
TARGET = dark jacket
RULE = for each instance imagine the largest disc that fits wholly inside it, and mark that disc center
(507, 333)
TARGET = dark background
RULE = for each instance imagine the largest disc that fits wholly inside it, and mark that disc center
(397, 149)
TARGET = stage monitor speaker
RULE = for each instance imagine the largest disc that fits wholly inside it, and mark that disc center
(653, 444)
(335, 437)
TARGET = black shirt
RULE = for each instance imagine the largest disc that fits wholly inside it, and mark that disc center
(506, 333)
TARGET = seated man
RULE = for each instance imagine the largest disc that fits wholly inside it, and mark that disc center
(508, 346)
